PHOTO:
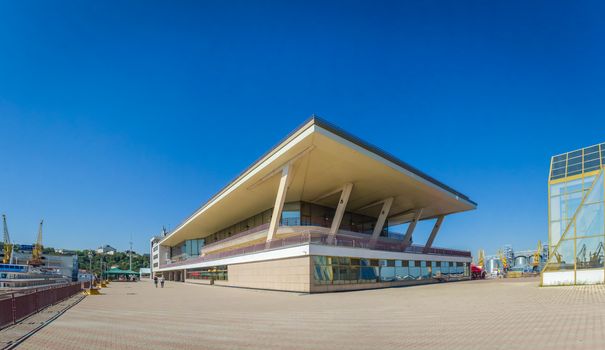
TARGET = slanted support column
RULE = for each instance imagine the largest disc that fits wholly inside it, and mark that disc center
(429, 242)
(284, 182)
(384, 213)
(408, 235)
(340, 210)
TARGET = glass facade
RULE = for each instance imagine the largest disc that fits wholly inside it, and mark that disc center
(300, 214)
(217, 273)
(577, 162)
(187, 249)
(254, 221)
(293, 214)
(344, 270)
(576, 213)
(318, 215)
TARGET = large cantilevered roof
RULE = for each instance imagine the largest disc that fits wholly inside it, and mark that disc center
(323, 159)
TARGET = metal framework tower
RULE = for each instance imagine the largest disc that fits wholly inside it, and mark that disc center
(8, 247)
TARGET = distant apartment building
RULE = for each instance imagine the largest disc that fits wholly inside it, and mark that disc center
(154, 253)
(317, 213)
(106, 249)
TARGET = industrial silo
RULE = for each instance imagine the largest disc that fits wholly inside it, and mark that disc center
(520, 261)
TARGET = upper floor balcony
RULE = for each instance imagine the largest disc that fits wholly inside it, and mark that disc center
(253, 241)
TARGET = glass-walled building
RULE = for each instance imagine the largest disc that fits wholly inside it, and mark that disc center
(322, 211)
(576, 218)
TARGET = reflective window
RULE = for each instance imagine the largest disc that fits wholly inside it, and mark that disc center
(342, 270)
(290, 215)
(577, 228)
(577, 162)
(589, 253)
(217, 273)
(445, 267)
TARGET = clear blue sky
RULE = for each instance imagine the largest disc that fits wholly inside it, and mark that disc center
(119, 117)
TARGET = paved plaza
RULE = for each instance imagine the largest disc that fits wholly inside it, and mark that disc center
(497, 314)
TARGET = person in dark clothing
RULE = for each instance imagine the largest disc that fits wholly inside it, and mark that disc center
(155, 281)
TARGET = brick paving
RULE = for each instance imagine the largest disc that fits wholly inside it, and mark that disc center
(497, 314)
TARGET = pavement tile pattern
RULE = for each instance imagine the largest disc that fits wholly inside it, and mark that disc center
(492, 314)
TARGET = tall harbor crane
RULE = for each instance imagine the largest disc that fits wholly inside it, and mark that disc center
(37, 251)
(8, 247)
(481, 258)
(588, 259)
(537, 257)
(503, 261)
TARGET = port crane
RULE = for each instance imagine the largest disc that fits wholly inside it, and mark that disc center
(593, 260)
(481, 258)
(537, 257)
(596, 258)
(8, 247)
(503, 261)
(37, 251)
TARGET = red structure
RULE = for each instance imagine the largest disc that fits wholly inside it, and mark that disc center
(16, 306)
(477, 272)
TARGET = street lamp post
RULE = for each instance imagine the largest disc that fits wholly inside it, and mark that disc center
(90, 268)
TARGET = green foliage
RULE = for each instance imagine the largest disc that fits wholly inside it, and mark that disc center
(119, 259)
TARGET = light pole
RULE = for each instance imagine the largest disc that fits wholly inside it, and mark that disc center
(90, 268)
(130, 254)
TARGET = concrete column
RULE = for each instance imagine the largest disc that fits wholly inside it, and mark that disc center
(340, 210)
(408, 235)
(279, 202)
(429, 242)
(384, 213)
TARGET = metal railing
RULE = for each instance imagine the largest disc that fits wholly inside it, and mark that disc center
(16, 306)
(318, 237)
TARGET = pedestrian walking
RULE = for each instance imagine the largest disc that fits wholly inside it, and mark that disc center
(155, 281)
(162, 281)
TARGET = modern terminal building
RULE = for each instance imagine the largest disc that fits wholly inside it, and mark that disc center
(317, 213)
(576, 218)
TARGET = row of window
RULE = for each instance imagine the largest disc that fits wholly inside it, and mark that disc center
(187, 249)
(310, 214)
(300, 214)
(343, 270)
(217, 273)
(244, 225)
(577, 162)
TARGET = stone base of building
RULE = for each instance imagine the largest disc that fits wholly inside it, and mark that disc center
(310, 274)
